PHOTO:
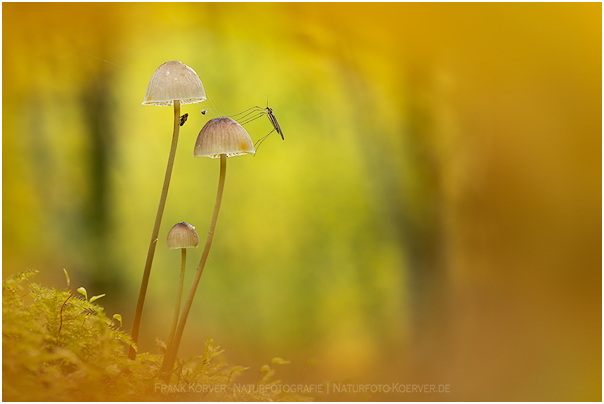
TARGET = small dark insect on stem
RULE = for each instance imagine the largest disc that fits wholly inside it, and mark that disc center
(61, 312)
(183, 119)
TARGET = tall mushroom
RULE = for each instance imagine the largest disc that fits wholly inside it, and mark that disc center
(173, 83)
(181, 235)
(220, 137)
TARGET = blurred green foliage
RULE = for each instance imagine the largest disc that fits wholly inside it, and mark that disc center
(288, 245)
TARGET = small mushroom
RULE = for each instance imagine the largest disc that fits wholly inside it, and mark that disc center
(220, 137)
(181, 235)
(172, 83)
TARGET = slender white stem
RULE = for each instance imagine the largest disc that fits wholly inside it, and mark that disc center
(178, 299)
(160, 211)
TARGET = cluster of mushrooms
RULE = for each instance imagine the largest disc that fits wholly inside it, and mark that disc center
(175, 83)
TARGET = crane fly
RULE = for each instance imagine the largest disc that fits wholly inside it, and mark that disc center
(256, 112)
(273, 119)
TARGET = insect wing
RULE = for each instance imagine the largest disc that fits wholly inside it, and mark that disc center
(273, 120)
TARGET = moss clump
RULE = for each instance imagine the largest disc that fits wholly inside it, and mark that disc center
(63, 347)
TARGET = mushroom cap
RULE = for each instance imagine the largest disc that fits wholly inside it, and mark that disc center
(174, 81)
(182, 235)
(223, 135)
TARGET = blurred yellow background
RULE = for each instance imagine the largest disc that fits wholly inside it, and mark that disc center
(433, 215)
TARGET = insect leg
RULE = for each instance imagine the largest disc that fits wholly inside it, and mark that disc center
(256, 108)
(250, 119)
(259, 141)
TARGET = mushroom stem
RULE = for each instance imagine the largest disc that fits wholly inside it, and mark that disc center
(178, 299)
(160, 211)
(170, 356)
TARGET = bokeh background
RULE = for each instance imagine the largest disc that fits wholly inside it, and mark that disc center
(433, 215)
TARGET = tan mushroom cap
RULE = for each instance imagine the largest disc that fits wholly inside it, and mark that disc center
(182, 235)
(223, 135)
(174, 81)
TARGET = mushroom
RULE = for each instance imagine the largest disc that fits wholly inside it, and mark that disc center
(223, 136)
(220, 137)
(173, 83)
(181, 235)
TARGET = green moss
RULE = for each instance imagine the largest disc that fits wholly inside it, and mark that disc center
(62, 347)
